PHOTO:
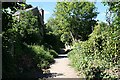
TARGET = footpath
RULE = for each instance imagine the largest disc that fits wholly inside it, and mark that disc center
(61, 68)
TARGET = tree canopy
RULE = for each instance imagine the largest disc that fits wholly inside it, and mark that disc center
(73, 20)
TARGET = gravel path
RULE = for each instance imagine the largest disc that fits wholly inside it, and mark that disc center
(62, 69)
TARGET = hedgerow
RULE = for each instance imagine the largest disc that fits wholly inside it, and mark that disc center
(96, 57)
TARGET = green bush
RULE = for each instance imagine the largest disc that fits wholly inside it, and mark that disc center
(54, 53)
(97, 55)
(52, 41)
(42, 56)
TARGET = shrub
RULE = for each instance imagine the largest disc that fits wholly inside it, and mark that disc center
(54, 53)
(99, 53)
(52, 41)
(42, 57)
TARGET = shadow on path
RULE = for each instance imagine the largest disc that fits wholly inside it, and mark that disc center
(52, 75)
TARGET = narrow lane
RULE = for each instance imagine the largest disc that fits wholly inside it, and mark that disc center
(62, 69)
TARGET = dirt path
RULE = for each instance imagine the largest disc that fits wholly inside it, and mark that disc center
(62, 69)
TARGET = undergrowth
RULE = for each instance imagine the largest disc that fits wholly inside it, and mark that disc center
(98, 57)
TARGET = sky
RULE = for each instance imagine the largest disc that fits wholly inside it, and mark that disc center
(49, 7)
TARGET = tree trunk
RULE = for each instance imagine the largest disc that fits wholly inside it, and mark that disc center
(72, 37)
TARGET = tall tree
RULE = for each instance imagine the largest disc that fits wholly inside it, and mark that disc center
(75, 20)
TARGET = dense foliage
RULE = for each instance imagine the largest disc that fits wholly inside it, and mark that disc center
(94, 56)
(99, 56)
(52, 41)
(42, 56)
(96, 50)
(73, 20)
(53, 53)
(22, 54)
